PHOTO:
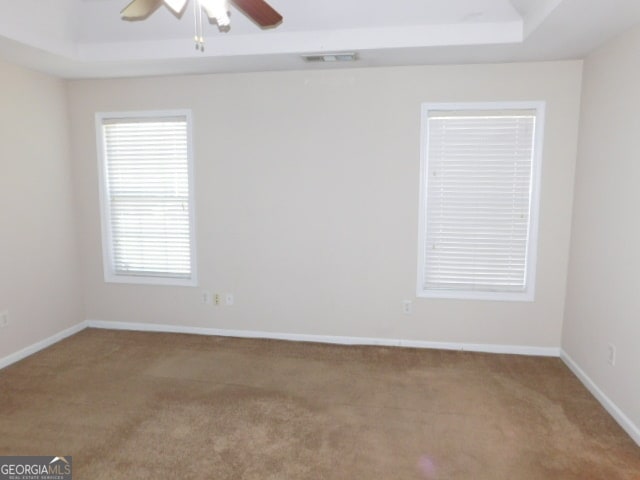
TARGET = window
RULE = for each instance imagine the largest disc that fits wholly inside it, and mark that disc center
(479, 200)
(146, 192)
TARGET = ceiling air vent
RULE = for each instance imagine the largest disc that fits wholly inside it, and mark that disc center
(331, 57)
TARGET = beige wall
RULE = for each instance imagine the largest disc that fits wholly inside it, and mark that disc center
(307, 201)
(38, 265)
(603, 301)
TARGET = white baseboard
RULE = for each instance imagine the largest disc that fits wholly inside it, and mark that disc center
(624, 421)
(36, 347)
(340, 340)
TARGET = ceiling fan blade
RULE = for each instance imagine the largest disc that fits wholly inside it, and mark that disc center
(260, 11)
(176, 5)
(140, 9)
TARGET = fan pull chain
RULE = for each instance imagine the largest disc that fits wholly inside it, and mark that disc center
(197, 18)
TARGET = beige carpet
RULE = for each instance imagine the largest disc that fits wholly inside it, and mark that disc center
(140, 406)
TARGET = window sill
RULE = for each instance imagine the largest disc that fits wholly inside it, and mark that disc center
(140, 280)
(527, 296)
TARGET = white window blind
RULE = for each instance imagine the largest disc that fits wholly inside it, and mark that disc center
(478, 199)
(147, 201)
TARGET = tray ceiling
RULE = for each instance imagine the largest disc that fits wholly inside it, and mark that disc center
(87, 38)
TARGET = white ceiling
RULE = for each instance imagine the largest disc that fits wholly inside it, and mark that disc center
(87, 38)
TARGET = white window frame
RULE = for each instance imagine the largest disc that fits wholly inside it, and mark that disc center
(528, 295)
(110, 276)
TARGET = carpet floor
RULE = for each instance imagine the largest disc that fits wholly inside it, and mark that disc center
(129, 405)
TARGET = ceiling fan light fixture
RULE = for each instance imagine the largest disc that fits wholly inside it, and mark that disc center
(218, 10)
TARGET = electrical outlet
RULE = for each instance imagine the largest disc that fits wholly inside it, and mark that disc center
(4, 319)
(206, 298)
(611, 354)
(228, 299)
(407, 307)
(216, 299)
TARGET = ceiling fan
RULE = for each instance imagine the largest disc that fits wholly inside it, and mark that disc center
(217, 10)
